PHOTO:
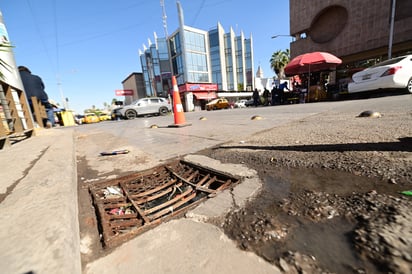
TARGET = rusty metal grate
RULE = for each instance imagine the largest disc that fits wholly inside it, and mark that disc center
(131, 205)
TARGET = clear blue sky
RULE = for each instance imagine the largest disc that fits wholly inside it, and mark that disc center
(91, 46)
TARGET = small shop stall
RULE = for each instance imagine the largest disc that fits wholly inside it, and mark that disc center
(313, 69)
(197, 95)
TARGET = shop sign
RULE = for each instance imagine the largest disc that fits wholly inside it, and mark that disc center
(198, 87)
(124, 92)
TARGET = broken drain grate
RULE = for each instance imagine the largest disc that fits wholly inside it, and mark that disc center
(128, 206)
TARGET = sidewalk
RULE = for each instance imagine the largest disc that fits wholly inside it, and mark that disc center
(40, 228)
(38, 205)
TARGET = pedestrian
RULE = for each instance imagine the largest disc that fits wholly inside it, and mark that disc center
(303, 94)
(266, 96)
(256, 97)
(34, 86)
(282, 88)
(275, 96)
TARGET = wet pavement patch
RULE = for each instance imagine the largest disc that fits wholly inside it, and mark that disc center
(303, 211)
(130, 205)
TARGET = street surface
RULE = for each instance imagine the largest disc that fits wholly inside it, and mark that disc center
(319, 159)
(219, 126)
(228, 131)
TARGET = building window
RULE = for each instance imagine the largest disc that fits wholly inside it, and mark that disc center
(198, 77)
(175, 46)
(214, 39)
(196, 62)
(194, 41)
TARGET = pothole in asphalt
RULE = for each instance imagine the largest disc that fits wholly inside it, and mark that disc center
(130, 205)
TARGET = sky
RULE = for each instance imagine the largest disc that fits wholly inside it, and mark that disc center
(84, 49)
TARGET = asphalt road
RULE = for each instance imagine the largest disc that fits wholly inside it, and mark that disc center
(150, 146)
(210, 128)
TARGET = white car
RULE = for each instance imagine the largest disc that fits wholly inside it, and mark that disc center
(395, 73)
(143, 106)
(241, 103)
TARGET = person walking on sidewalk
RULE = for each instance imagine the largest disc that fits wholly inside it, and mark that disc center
(256, 97)
(34, 86)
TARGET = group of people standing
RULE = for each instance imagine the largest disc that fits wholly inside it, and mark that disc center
(274, 97)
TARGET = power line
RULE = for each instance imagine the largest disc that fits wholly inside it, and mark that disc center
(198, 12)
(58, 77)
(56, 35)
(40, 35)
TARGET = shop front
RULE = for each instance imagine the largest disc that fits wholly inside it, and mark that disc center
(196, 96)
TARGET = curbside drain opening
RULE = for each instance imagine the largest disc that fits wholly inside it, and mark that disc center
(128, 206)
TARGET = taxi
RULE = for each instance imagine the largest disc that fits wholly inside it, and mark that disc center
(104, 117)
(90, 118)
(220, 103)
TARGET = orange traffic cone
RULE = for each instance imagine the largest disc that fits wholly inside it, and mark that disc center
(178, 112)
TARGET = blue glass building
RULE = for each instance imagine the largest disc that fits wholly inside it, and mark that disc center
(204, 62)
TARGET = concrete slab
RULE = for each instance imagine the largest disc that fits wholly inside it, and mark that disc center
(228, 199)
(181, 246)
(38, 214)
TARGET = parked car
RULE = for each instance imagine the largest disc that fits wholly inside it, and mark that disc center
(249, 103)
(78, 119)
(219, 103)
(104, 117)
(143, 106)
(241, 103)
(395, 73)
(90, 118)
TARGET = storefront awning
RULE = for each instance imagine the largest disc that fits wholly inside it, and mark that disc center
(205, 95)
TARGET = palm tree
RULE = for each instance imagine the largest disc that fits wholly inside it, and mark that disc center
(278, 62)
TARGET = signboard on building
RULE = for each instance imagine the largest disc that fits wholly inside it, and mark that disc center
(124, 92)
(197, 87)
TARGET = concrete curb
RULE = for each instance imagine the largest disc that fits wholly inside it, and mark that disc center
(39, 224)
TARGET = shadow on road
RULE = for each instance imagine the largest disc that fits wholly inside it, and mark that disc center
(404, 144)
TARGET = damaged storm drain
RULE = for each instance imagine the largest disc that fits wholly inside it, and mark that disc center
(131, 205)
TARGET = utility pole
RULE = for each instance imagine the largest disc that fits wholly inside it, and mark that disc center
(392, 21)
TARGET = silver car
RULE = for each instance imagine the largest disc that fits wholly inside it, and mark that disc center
(144, 106)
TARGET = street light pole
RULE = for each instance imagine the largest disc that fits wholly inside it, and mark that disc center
(280, 35)
(391, 29)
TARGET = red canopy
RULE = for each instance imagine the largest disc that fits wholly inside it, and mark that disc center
(310, 62)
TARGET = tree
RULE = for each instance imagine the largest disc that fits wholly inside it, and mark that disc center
(278, 62)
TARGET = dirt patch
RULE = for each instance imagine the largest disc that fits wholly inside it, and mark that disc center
(90, 245)
(331, 200)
